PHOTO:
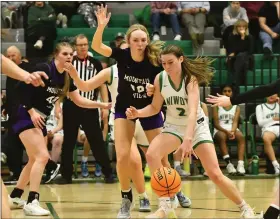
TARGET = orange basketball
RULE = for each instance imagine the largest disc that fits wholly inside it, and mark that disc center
(166, 182)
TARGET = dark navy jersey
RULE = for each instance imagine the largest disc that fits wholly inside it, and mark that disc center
(43, 98)
(133, 77)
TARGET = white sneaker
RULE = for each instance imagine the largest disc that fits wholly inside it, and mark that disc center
(34, 209)
(38, 44)
(174, 202)
(248, 212)
(16, 203)
(230, 168)
(277, 169)
(156, 37)
(178, 37)
(64, 21)
(240, 169)
(165, 211)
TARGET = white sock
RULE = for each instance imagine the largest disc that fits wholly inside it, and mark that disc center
(241, 162)
(84, 159)
(242, 205)
(176, 163)
(226, 156)
(275, 163)
(143, 195)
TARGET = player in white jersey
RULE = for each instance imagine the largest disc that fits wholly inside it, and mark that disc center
(185, 127)
(268, 115)
(226, 120)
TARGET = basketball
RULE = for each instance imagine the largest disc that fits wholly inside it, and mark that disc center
(166, 182)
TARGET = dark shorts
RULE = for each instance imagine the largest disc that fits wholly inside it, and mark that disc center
(148, 123)
(22, 122)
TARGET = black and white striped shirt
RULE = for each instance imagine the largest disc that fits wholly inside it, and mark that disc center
(87, 68)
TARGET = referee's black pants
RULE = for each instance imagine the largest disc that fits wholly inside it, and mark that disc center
(73, 117)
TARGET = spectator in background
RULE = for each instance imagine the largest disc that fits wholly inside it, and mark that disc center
(87, 9)
(268, 118)
(231, 14)
(10, 13)
(163, 11)
(15, 149)
(240, 51)
(194, 18)
(41, 24)
(252, 9)
(269, 18)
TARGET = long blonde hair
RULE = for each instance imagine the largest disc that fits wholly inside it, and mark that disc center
(153, 49)
(66, 86)
(240, 22)
(198, 68)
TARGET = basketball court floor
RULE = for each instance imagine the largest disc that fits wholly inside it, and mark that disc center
(99, 200)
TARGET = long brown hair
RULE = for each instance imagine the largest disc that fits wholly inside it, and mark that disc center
(66, 86)
(153, 49)
(198, 68)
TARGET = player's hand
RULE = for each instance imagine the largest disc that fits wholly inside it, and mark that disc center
(101, 16)
(150, 89)
(219, 100)
(37, 119)
(274, 35)
(104, 114)
(232, 135)
(35, 78)
(186, 150)
(71, 70)
(50, 134)
(131, 113)
(276, 118)
(106, 105)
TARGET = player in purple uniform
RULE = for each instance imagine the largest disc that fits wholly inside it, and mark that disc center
(35, 105)
(137, 66)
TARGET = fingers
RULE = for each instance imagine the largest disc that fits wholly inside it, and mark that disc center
(39, 122)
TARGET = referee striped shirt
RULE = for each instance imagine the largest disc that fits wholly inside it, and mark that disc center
(87, 68)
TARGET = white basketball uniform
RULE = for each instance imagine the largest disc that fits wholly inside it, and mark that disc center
(51, 123)
(177, 112)
(139, 133)
(265, 113)
(226, 118)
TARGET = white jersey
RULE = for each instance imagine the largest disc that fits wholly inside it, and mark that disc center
(113, 85)
(176, 102)
(265, 113)
(226, 116)
(51, 122)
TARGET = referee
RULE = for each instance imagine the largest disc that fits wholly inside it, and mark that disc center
(74, 116)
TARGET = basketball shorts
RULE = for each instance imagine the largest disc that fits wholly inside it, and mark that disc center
(22, 122)
(201, 133)
(275, 129)
(50, 127)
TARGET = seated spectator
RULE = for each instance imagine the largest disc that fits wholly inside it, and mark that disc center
(41, 24)
(268, 117)
(240, 50)
(163, 11)
(231, 14)
(252, 9)
(269, 19)
(64, 11)
(10, 13)
(87, 9)
(194, 18)
(226, 120)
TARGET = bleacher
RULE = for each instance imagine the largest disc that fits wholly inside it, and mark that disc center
(123, 16)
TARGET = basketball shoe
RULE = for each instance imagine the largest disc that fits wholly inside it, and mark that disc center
(16, 203)
(184, 201)
(165, 210)
(144, 205)
(34, 209)
(248, 212)
(124, 212)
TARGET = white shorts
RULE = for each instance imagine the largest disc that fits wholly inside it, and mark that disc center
(201, 133)
(60, 132)
(139, 133)
(274, 129)
(228, 127)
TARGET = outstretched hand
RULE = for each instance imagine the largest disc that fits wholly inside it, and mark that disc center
(219, 100)
(101, 16)
(131, 113)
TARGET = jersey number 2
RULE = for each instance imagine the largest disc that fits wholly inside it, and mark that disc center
(181, 111)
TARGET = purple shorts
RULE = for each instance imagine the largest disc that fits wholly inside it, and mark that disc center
(23, 122)
(147, 123)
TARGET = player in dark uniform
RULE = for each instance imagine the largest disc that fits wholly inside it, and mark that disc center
(35, 105)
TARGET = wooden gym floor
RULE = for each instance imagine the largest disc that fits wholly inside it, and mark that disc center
(99, 200)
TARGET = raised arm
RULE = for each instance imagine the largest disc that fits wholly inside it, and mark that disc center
(91, 84)
(102, 19)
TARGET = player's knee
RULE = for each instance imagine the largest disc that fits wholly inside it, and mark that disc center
(42, 158)
(215, 174)
(123, 157)
(150, 156)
